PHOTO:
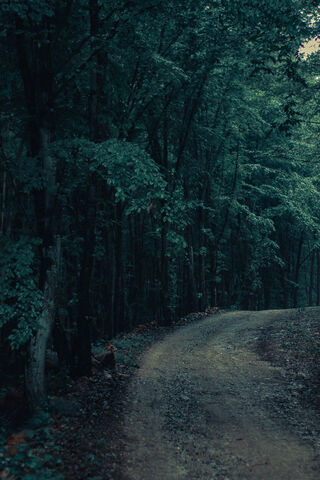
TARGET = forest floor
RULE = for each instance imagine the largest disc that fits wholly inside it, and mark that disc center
(228, 397)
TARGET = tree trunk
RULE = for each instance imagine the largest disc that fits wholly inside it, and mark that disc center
(266, 290)
(285, 289)
(3, 195)
(83, 352)
(164, 274)
(113, 286)
(118, 252)
(192, 290)
(49, 270)
(35, 65)
(84, 330)
(297, 270)
(318, 279)
(35, 365)
(311, 279)
(93, 97)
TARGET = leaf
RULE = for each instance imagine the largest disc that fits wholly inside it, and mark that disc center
(14, 441)
(5, 475)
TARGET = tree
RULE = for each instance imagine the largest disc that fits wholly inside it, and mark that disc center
(156, 159)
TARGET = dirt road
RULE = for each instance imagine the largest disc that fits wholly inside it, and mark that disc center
(200, 409)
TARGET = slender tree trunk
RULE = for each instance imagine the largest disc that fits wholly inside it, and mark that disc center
(3, 144)
(84, 329)
(285, 288)
(118, 293)
(35, 365)
(113, 286)
(318, 278)
(84, 332)
(3, 195)
(203, 285)
(202, 258)
(311, 279)
(285, 248)
(164, 278)
(93, 97)
(297, 270)
(266, 290)
(192, 290)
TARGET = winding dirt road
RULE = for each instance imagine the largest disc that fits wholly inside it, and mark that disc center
(200, 409)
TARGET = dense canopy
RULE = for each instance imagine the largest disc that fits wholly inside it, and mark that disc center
(157, 158)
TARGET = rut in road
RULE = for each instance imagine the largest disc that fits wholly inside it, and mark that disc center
(199, 409)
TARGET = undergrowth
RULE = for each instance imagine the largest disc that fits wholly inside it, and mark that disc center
(30, 454)
(58, 437)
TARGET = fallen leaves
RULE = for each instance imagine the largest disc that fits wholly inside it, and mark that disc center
(5, 475)
(14, 441)
(83, 436)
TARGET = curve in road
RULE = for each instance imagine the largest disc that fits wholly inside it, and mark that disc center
(199, 409)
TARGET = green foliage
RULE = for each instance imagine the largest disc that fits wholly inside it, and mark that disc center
(131, 171)
(22, 300)
(30, 453)
(171, 146)
(125, 167)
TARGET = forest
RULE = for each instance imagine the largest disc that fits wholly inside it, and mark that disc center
(156, 158)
